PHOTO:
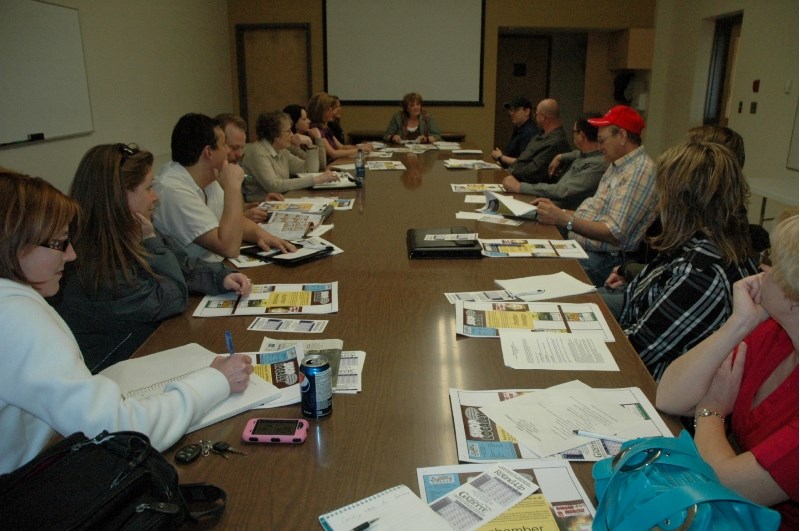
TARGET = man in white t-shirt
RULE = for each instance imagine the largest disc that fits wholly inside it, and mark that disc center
(200, 198)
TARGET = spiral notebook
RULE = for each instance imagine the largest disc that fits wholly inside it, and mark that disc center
(139, 378)
(394, 508)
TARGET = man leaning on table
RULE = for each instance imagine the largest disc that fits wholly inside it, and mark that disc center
(520, 110)
(200, 195)
(615, 219)
(235, 129)
(531, 166)
(584, 168)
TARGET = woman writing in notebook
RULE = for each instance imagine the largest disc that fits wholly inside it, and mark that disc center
(413, 122)
(273, 166)
(45, 387)
(320, 111)
(128, 277)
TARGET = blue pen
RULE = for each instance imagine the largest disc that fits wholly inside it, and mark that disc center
(229, 342)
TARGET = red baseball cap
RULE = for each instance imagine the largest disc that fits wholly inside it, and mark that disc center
(623, 117)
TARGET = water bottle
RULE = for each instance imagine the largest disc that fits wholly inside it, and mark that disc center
(361, 170)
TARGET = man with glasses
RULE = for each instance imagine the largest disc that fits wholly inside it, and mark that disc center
(235, 129)
(585, 166)
(520, 111)
(200, 195)
(615, 219)
(531, 166)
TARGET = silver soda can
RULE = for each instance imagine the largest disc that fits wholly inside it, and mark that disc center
(316, 386)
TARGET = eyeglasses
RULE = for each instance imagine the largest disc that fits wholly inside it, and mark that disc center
(57, 245)
(127, 151)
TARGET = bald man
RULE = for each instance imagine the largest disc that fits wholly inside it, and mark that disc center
(531, 166)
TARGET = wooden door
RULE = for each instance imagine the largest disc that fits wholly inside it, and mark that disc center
(523, 69)
(274, 68)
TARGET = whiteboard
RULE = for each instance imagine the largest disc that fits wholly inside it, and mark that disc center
(376, 51)
(44, 93)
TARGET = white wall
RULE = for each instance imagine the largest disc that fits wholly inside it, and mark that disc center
(768, 51)
(148, 62)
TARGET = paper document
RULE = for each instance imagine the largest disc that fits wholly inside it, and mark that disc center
(351, 366)
(271, 324)
(394, 508)
(149, 375)
(273, 298)
(489, 218)
(376, 165)
(477, 187)
(282, 369)
(291, 225)
(478, 501)
(560, 503)
(303, 205)
(284, 357)
(480, 439)
(474, 198)
(485, 319)
(545, 421)
(511, 248)
(524, 349)
(445, 145)
(483, 296)
(506, 205)
(470, 164)
(543, 287)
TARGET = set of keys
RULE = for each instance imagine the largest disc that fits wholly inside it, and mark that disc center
(190, 453)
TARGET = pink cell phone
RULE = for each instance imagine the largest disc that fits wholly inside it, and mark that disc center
(272, 431)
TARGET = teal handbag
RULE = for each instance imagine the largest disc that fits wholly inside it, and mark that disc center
(663, 483)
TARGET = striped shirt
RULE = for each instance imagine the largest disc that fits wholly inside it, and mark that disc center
(677, 301)
(625, 201)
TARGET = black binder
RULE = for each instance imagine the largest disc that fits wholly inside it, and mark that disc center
(419, 247)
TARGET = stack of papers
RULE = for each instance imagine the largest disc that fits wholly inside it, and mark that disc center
(560, 503)
(495, 438)
(477, 187)
(486, 319)
(470, 164)
(448, 146)
(510, 248)
(278, 362)
(273, 298)
(375, 165)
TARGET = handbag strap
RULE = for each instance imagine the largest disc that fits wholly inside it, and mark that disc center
(210, 497)
(679, 451)
(667, 504)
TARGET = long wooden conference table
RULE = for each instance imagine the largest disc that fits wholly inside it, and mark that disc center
(394, 309)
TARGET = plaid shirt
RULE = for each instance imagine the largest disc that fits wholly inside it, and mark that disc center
(677, 301)
(625, 201)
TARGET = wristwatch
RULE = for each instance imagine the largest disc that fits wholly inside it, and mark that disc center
(570, 222)
(705, 412)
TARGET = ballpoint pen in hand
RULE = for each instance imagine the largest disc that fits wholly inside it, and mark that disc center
(229, 342)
